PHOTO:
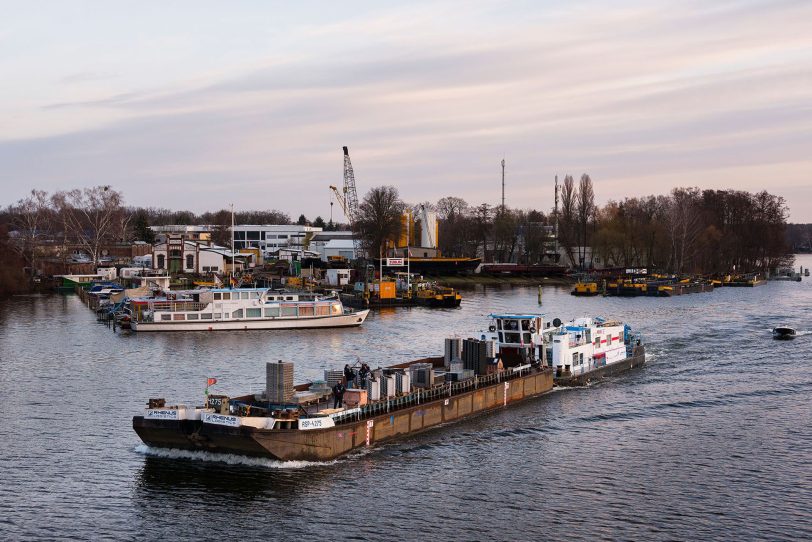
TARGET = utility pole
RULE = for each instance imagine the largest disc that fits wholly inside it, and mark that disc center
(556, 218)
(503, 185)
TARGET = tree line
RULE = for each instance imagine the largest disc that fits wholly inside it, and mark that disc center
(687, 231)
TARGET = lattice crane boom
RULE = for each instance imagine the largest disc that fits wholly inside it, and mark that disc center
(350, 194)
(347, 198)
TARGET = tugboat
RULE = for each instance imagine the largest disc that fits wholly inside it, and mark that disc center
(578, 351)
(784, 333)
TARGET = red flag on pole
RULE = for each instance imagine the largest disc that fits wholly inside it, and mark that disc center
(211, 382)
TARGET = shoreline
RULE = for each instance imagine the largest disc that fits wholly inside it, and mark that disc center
(471, 281)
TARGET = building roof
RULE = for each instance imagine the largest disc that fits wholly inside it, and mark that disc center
(339, 244)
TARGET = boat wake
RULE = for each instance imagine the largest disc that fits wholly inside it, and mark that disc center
(229, 459)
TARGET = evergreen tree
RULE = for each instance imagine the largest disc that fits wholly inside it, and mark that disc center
(142, 230)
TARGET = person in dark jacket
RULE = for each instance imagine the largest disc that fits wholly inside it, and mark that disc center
(338, 395)
(363, 373)
(349, 375)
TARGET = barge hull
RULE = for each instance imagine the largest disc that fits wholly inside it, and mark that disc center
(636, 360)
(327, 444)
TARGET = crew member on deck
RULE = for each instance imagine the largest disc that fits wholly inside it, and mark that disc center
(349, 375)
(338, 395)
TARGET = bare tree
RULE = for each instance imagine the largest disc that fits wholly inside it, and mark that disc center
(567, 223)
(451, 207)
(32, 221)
(585, 204)
(90, 216)
(379, 218)
(684, 225)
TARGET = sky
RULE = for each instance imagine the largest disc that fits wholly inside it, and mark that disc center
(197, 104)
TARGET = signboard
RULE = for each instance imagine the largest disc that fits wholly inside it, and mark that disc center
(220, 419)
(306, 424)
(637, 271)
(162, 414)
(395, 262)
(216, 401)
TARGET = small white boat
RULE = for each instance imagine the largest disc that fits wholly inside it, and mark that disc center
(240, 309)
(784, 333)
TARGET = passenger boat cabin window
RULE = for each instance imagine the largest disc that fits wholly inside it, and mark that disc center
(205, 316)
(192, 317)
(237, 313)
(253, 313)
(218, 296)
(288, 311)
(336, 308)
(289, 298)
(245, 295)
(166, 317)
(226, 296)
(272, 312)
(305, 311)
(178, 316)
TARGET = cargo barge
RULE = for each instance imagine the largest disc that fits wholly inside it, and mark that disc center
(512, 361)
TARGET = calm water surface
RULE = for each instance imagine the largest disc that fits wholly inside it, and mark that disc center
(711, 440)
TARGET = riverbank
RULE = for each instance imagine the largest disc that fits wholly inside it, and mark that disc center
(470, 281)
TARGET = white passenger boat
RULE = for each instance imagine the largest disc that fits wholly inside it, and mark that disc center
(240, 309)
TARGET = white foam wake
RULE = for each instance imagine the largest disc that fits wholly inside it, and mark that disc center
(229, 459)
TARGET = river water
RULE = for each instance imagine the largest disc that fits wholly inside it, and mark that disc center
(711, 440)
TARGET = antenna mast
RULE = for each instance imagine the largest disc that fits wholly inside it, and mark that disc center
(503, 185)
(556, 216)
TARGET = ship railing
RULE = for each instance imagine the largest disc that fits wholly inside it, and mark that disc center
(177, 306)
(420, 395)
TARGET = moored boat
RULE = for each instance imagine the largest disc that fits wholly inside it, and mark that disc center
(239, 309)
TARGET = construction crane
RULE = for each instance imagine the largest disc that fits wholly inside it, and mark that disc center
(348, 198)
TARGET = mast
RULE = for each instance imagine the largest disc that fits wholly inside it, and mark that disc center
(556, 218)
(233, 255)
(503, 185)
(408, 254)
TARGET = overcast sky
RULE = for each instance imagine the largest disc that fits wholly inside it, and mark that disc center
(194, 105)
